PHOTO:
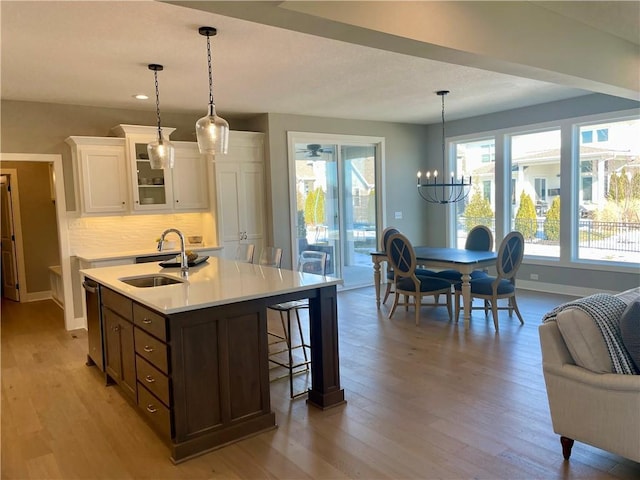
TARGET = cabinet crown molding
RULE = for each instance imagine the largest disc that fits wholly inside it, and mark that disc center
(123, 130)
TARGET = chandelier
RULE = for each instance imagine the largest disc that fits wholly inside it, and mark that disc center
(435, 190)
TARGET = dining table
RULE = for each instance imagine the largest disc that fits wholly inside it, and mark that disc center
(460, 259)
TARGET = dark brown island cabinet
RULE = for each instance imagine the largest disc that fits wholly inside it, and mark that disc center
(201, 377)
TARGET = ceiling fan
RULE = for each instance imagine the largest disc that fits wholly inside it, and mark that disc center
(314, 150)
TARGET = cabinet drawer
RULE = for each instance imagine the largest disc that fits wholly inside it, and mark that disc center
(118, 303)
(150, 321)
(152, 350)
(155, 411)
(153, 379)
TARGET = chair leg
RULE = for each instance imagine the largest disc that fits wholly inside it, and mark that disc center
(486, 308)
(304, 348)
(515, 307)
(494, 311)
(285, 331)
(449, 305)
(290, 354)
(387, 293)
(457, 300)
(395, 304)
(418, 301)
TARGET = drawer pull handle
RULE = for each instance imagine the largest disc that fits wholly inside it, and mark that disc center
(147, 321)
(149, 379)
(151, 408)
(148, 349)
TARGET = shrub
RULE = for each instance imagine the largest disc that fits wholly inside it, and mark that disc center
(526, 219)
(552, 221)
(477, 212)
(314, 207)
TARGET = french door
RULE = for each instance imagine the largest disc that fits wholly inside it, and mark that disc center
(334, 201)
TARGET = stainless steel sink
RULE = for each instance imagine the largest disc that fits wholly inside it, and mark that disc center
(155, 280)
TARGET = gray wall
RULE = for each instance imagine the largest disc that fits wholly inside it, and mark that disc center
(566, 109)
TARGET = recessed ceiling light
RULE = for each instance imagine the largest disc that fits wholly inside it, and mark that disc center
(141, 96)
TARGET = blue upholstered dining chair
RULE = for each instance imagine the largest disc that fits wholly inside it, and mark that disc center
(503, 285)
(386, 233)
(480, 239)
(408, 283)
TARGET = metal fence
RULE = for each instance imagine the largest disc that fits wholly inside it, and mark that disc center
(611, 236)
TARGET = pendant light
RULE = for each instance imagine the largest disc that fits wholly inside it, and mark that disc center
(161, 152)
(443, 191)
(212, 131)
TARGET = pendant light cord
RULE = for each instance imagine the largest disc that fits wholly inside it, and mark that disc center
(155, 76)
(210, 74)
(443, 172)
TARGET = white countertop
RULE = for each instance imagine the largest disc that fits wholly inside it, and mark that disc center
(215, 282)
(98, 257)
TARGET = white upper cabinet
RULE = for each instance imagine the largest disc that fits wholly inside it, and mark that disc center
(100, 174)
(189, 176)
(114, 175)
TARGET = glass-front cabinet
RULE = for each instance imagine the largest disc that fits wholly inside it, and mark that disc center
(152, 188)
(151, 192)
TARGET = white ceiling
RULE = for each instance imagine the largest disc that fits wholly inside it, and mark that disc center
(96, 54)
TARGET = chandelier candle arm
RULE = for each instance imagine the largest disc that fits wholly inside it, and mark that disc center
(443, 192)
(212, 131)
(161, 152)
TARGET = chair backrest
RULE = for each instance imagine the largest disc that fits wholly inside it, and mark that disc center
(312, 261)
(510, 255)
(244, 252)
(271, 257)
(386, 233)
(480, 239)
(401, 255)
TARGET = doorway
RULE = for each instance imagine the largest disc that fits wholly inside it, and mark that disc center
(335, 201)
(9, 263)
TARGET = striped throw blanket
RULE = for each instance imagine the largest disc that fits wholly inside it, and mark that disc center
(605, 310)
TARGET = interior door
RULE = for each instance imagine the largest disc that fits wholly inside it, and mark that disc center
(9, 259)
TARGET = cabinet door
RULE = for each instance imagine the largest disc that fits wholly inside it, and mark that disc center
(112, 356)
(241, 205)
(190, 185)
(128, 355)
(120, 361)
(241, 194)
(104, 179)
(151, 187)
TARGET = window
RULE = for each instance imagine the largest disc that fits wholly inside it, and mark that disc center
(603, 134)
(602, 190)
(537, 214)
(608, 199)
(477, 159)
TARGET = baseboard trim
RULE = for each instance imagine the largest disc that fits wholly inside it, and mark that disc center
(560, 289)
(36, 296)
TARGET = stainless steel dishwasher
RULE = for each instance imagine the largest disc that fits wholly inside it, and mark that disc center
(95, 355)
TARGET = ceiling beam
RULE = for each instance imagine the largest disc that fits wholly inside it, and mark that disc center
(516, 38)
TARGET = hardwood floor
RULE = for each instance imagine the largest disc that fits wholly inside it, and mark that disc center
(427, 401)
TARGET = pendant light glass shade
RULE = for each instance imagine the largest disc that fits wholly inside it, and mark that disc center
(212, 131)
(161, 152)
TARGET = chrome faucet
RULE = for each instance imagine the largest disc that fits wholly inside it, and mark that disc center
(184, 263)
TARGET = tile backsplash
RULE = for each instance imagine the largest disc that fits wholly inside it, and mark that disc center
(97, 235)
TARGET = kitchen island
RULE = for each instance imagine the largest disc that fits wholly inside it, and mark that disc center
(193, 355)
